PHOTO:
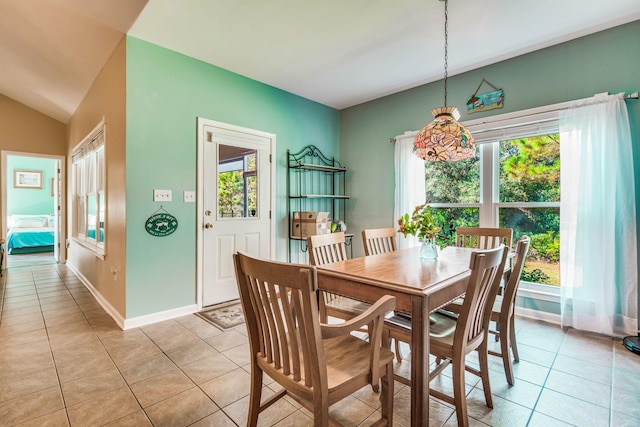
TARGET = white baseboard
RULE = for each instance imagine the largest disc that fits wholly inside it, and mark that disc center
(120, 321)
(134, 322)
(147, 319)
(538, 315)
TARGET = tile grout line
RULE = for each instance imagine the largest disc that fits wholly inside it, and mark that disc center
(55, 365)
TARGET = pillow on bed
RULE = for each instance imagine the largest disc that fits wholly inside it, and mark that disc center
(33, 222)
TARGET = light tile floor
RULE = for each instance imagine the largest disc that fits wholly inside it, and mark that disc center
(63, 361)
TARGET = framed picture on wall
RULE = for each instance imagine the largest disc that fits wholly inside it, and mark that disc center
(27, 179)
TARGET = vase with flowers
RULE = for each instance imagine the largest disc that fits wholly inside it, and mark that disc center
(422, 225)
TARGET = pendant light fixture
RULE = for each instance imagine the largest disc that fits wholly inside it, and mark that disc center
(444, 139)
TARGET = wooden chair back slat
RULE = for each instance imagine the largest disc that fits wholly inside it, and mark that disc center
(486, 272)
(286, 336)
(316, 364)
(327, 248)
(510, 290)
(379, 240)
(483, 237)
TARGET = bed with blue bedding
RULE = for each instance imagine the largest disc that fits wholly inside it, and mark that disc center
(30, 234)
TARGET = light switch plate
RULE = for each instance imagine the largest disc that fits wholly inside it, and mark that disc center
(161, 195)
(189, 196)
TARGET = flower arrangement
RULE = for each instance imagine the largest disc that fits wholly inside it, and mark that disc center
(420, 224)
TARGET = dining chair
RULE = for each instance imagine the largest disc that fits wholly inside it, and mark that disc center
(451, 338)
(502, 313)
(325, 249)
(316, 364)
(483, 237)
(379, 240)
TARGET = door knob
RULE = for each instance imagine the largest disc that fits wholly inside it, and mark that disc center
(207, 225)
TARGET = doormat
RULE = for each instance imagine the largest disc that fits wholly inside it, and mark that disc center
(225, 315)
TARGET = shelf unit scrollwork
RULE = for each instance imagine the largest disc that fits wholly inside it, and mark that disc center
(315, 182)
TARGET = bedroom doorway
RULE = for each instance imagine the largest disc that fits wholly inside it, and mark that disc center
(32, 209)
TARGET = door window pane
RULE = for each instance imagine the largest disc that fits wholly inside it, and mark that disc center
(237, 182)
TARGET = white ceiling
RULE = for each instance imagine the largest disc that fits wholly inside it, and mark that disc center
(336, 52)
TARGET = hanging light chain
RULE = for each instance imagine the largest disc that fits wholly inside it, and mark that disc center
(446, 48)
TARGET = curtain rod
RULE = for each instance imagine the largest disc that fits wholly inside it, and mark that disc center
(535, 110)
(93, 138)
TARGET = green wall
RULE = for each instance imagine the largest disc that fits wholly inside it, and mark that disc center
(604, 62)
(30, 200)
(166, 91)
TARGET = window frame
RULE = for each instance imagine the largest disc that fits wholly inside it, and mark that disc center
(243, 162)
(90, 181)
(491, 132)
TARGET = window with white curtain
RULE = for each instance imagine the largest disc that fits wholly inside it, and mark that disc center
(88, 177)
(512, 182)
(592, 229)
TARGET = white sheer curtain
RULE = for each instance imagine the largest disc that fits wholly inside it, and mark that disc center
(410, 186)
(598, 250)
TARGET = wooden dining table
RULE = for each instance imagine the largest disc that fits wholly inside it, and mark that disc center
(420, 287)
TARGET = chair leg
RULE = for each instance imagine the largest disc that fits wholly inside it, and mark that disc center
(322, 308)
(514, 346)
(398, 354)
(459, 396)
(505, 345)
(483, 358)
(386, 397)
(320, 412)
(255, 395)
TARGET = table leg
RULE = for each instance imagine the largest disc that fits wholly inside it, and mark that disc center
(419, 361)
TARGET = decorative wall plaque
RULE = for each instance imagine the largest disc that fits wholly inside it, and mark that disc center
(161, 223)
(485, 101)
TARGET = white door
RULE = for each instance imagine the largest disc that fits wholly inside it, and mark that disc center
(235, 203)
(57, 206)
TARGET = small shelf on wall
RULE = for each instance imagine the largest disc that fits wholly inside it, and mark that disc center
(315, 182)
(319, 196)
(314, 167)
(347, 237)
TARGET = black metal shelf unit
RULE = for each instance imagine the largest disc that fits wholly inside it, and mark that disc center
(315, 183)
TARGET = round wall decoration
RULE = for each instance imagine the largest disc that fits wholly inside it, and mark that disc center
(161, 224)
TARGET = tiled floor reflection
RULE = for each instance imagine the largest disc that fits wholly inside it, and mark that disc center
(63, 361)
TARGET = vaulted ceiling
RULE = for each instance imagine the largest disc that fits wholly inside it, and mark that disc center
(336, 52)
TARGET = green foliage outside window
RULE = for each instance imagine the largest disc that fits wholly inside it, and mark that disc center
(529, 172)
(231, 190)
(230, 194)
(453, 182)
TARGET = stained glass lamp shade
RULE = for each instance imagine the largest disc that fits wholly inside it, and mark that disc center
(444, 139)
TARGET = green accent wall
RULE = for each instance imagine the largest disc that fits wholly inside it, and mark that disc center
(607, 61)
(166, 92)
(603, 62)
(30, 201)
